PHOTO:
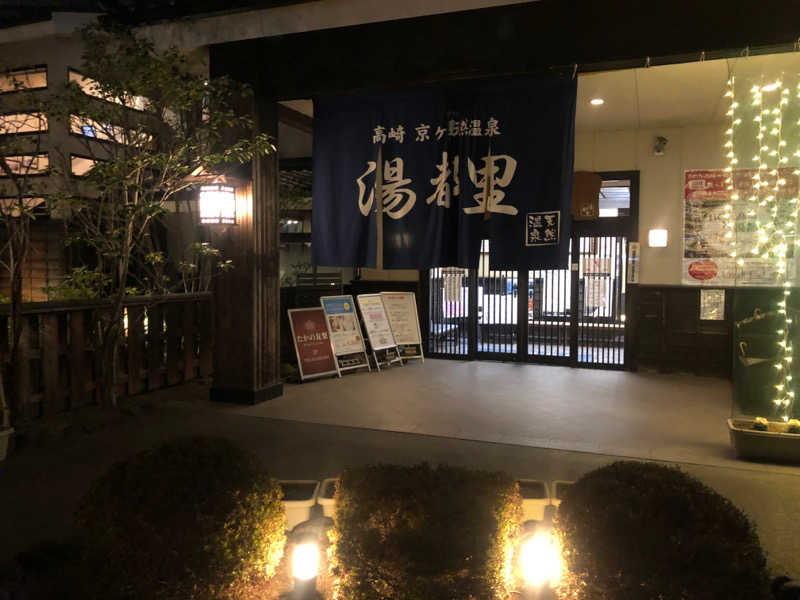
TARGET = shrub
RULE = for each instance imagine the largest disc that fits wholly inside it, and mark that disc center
(642, 531)
(81, 283)
(424, 533)
(194, 518)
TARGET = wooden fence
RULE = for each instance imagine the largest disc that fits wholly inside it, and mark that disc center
(168, 340)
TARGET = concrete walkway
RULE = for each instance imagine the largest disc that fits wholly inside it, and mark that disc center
(533, 422)
(40, 488)
(665, 417)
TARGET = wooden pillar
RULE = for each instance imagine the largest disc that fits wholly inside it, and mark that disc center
(247, 298)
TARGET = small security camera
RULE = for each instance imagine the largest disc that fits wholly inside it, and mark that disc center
(660, 145)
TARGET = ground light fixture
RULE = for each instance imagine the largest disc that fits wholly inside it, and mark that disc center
(217, 203)
(540, 558)
(305, 567)
(305, 561)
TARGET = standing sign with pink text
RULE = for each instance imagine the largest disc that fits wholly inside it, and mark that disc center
(312, 343)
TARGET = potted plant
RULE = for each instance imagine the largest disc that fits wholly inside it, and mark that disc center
(759, 438)
(6, 431)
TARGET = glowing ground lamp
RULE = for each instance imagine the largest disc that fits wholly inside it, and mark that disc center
(217, 204)
(540, 559)
(540, 556)
(305, 567)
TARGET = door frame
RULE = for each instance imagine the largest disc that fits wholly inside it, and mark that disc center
(627, 226)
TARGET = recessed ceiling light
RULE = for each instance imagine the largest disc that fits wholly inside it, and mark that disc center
(596, 101)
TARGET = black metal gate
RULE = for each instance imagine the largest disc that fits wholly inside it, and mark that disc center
(601, 301)
(549, 323)
(575, 315)
(498, 303)
(566, 317)
(450, 291)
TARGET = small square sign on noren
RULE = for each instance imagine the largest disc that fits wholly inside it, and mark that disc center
(542, 228)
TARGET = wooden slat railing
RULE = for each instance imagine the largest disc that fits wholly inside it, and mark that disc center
(168, 340)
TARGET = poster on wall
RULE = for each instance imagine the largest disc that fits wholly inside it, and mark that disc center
(312, 343)
(708, 241)
(712, 305)
(401, 308)
(345, 332)
(596, 292)
(379, 332)
(453, 284)
(455, 292)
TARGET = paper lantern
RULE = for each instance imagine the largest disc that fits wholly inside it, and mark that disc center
(217, 204)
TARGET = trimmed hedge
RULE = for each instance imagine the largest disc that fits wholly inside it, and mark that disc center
(424, 533)
(641, 531)
(194, 518)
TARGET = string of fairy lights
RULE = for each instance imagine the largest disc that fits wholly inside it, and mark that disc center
(760, 199)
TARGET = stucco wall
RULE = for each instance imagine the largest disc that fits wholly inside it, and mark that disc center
(661, 182)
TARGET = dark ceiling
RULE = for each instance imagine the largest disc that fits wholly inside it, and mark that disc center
(21, 12)
(525, 38)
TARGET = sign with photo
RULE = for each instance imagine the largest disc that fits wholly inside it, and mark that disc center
(376, 322)
(345, 332)
(401, 308)
(713, 201)
(312, 343)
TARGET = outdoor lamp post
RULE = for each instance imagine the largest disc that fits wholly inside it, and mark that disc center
(217, 203)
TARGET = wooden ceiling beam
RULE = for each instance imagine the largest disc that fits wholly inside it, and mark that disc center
(295, 119)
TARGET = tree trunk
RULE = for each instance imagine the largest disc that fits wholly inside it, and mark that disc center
(110, 331)
(5, 411)
(19, 250)
(112, 328)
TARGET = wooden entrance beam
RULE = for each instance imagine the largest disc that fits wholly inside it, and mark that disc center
(247, 349)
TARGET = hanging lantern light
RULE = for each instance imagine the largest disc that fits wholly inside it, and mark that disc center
(217, 204)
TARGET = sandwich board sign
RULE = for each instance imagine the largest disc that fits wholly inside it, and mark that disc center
(401, 309)
(345, 332)
(312, 343)
(379, 331)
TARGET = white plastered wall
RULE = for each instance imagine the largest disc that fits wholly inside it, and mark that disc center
(661, 182)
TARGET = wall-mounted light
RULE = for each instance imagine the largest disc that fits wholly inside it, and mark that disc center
(657, 238)
(217, 204)
(597, 101)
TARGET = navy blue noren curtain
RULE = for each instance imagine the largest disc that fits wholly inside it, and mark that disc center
(460, 163)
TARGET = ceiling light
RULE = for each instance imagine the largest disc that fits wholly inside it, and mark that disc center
(596, 101)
